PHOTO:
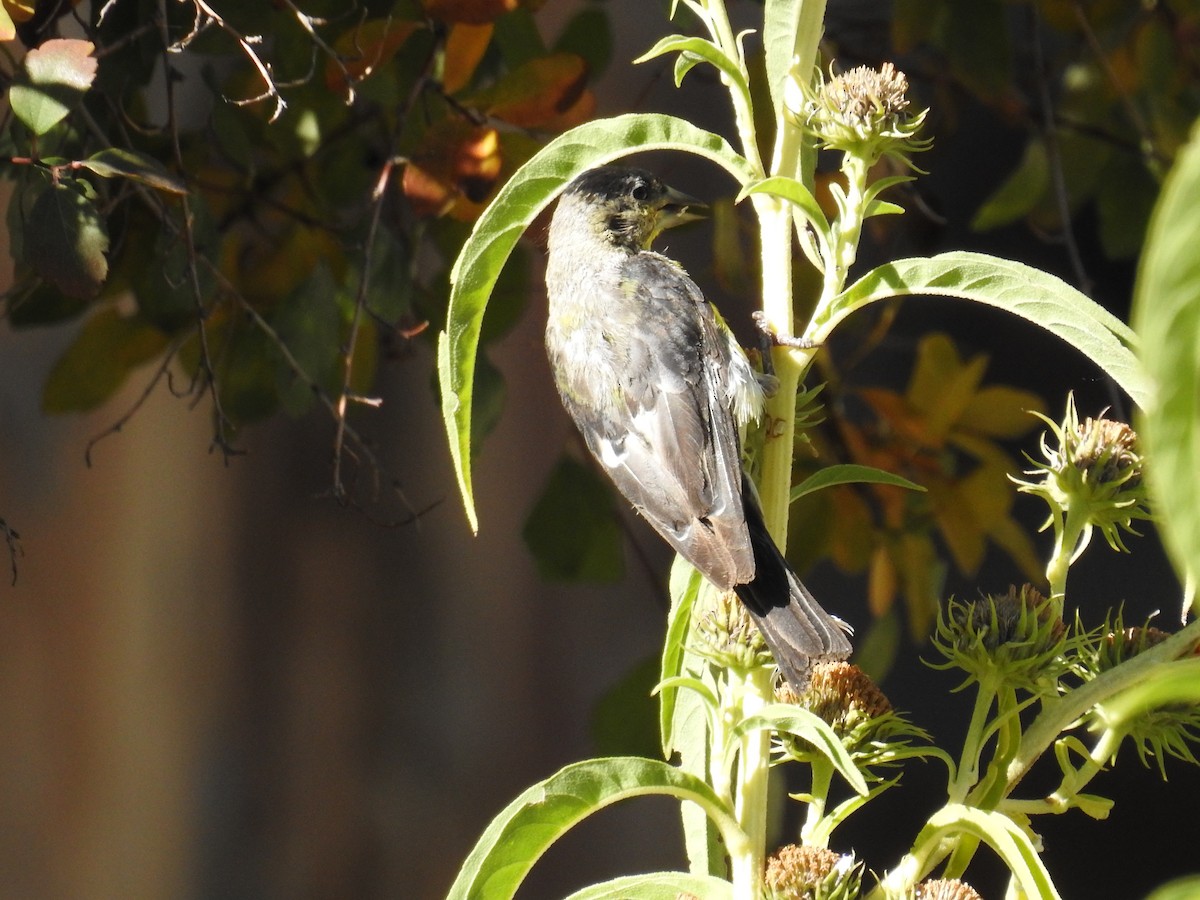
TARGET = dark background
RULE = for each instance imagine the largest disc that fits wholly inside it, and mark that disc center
(214, 682)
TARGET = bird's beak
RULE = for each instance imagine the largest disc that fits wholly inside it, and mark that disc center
(678, 208)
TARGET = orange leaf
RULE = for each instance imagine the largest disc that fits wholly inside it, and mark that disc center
(881, 582)
(365, 48)
(536, 93)
(20, 10)
(469, 12)
(465, 46)
(456, 160)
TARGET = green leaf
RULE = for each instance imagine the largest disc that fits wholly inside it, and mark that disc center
(309, 324)
(589, 35)
(849, 473)
(1019, 193)
(997, 830)
(658, 886)
(95, 365)
(1186, 888)
(1022, 290)
(684, 715)
(791, 31)
(524, 830)
(117, 162)
(43, 304)
(1170, 684)
(52, 80)
(530, 190)
(809, 727)
(802, 199)
(1166, 313)
(65, 241)
(588, 550)
(696, 49)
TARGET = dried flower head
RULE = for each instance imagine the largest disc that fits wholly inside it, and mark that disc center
(1016, 638)
(863, 112)
(845, 698)
(946, 889)
(811, 873)
(728, 636)
(1093, 475)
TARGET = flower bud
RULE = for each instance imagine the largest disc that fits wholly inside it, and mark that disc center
(727, 635)
(863, 112)
(946, 889)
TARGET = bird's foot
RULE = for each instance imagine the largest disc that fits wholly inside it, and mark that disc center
(772, 338)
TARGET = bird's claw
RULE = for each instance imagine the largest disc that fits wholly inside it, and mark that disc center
(772, 338)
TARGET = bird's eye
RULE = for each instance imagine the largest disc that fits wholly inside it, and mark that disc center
(640, 192)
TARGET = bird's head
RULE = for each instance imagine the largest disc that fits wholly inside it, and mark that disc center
(625, 207)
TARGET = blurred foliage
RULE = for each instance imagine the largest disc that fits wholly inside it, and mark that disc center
(273, 221)
(1106, 91)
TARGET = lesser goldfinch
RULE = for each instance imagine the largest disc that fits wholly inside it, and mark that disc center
(659, 386)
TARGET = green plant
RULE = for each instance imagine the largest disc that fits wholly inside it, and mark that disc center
(1039, 682)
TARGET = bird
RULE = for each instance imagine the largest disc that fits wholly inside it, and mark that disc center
(658, 386)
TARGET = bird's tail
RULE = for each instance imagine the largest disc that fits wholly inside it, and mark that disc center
(797, 630)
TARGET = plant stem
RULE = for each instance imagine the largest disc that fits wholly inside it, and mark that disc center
(753, 770)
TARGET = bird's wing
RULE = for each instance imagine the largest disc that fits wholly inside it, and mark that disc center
(669, 442)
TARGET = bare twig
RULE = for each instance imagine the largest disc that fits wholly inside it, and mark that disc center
(14, 546)
(247, 43)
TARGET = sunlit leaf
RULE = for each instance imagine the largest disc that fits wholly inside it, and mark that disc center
(523, 197)
(96, 364)
(527, 827)
(590, 550)
(658, 886)
(1030, 293)
(65, 240)
(53, 78)
(118, 162)
(1166, 312)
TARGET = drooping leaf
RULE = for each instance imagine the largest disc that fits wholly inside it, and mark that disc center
(96, 364)
(1166, 313)
(662, 886)
(809, 727)
(695, 50)
(1023, 290)
(65, 241)
(524, 830)
(590, 549)
(118, 162)
(527, 193)
(53, 78)
(849, 473)
(8, 29)
(43, 304)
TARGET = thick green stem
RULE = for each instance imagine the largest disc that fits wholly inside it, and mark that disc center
(1069, 531)
(753, 771)
(967, 772)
